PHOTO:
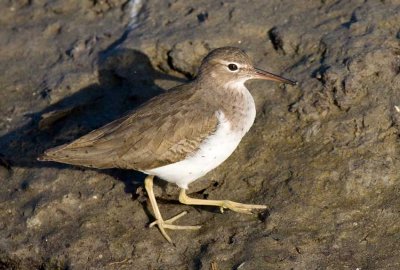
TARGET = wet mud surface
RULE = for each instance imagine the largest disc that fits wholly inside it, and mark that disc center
(323, 155)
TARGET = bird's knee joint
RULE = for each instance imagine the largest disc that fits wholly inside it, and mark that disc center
(182, 198)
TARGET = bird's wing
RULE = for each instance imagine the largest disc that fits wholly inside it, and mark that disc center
(163, 131)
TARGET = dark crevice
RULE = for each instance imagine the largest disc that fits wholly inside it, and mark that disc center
(171, 65)
(335, 100)
(293, 106)
(353, 19)
(319, 73)
(323, 48)
(203, 252)
(276, 39)
(190, 11)
(263, 216)
(203, 193)
(5, 163)
(230, 14)
(202, 17)
(321, 70)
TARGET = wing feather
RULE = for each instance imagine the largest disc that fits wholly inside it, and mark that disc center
(165, 130)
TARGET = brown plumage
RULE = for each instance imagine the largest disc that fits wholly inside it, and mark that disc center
(149, 137)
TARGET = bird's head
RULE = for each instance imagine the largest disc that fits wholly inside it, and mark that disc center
(232, 65)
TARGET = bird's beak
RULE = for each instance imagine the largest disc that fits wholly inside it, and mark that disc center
(264, 75)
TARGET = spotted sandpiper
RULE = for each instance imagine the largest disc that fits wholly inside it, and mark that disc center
(181, 135)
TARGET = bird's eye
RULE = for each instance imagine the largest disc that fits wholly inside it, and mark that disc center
(233, 67)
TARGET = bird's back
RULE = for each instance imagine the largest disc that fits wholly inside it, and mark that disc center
(162, 131)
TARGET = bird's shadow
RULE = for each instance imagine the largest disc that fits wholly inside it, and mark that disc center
(126, 80)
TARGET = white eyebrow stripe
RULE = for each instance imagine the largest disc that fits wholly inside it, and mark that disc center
(228, 62)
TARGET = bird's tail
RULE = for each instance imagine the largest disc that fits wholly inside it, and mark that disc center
(76, 156)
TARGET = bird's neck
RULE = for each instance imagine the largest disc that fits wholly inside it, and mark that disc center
(238, 105)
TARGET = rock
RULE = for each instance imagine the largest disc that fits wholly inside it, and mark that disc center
(186, 57)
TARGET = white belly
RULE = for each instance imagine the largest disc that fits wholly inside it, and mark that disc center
(211, 153)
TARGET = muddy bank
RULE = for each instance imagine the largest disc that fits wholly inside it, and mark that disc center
(323, 155)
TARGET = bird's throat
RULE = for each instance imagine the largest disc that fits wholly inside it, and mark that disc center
(238, 106)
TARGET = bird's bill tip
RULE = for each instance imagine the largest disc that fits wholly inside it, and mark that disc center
(264, 75)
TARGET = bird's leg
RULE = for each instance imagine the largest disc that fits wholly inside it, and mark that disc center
(163, 224)
(234, 206)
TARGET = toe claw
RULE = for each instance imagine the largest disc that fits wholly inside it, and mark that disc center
(164, 233)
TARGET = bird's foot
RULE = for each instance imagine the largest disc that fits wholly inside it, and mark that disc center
(240, 207)
(167, 224)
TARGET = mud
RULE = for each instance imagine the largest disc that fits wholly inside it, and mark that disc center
(323, 155)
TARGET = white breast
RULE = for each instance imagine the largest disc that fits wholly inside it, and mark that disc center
(213, 151)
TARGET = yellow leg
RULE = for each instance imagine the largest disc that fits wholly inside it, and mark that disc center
(163, 224)
(234, 206)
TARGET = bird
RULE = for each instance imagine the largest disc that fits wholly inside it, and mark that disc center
(180, 135)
